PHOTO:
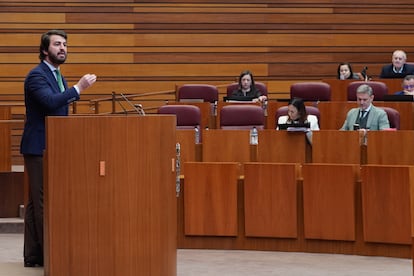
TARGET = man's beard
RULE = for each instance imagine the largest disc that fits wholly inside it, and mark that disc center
(55, 59)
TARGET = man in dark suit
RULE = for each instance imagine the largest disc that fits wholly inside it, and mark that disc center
(398, 68)
(46, 93)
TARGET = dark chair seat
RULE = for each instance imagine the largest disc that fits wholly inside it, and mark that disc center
(378, 88)
(242, 116)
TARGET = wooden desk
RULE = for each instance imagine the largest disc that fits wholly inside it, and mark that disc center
(226, 145)
(386, 203)
(270, 200)
(259, 200)
(283, 147)
(210, 198)
(333, 114)
(337, 147)
(390, 147)
(329, 201)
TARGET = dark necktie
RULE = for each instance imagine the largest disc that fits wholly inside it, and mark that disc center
(363, 119)
(60, 81)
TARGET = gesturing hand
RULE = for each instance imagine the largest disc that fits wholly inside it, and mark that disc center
(86, 81)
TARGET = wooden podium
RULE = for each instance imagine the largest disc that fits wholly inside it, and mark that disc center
(109, 195)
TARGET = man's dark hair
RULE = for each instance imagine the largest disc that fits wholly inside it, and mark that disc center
(45, 41)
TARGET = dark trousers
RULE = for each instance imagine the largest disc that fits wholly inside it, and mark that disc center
(33, 228)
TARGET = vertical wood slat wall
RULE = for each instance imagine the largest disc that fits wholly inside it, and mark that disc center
(143, 47)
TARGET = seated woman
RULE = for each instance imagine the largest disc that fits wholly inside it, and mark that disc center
(297, 114)
(247, 88)
(407, 85)
(345, 72)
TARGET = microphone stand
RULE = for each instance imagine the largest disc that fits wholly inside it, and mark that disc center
(137, 107)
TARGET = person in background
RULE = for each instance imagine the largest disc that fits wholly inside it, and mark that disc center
(297, 114)
(398, 68)
(345, 72)
(247, 88)
(407, 85)
(46, 93)
(366, 115)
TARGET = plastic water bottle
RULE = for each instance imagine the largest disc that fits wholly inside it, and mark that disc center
(197, 135)
(254, 136)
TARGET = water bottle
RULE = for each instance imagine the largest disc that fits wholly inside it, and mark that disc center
(254, 136)
(197, 135)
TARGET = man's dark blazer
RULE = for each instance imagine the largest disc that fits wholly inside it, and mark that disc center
(388, 73)
(42, 98)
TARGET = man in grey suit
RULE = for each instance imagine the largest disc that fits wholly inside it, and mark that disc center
(366, 116)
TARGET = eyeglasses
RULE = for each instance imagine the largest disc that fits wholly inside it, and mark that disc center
(408, 86)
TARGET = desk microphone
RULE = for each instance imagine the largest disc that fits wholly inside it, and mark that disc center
(137, 107)
(121, 105)
(364, 73)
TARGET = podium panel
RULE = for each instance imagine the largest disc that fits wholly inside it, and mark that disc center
(329, 201)
(210, 198)
(270, 200)
(110, 204)
(386, 203)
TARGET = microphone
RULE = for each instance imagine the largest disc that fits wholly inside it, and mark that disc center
(121, 105)
(364, 73)
(137, 107)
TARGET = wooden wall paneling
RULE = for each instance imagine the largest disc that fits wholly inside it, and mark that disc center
(386, 203)
(270, 200)
(329, 201)
(390, 147)
(210, 198)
